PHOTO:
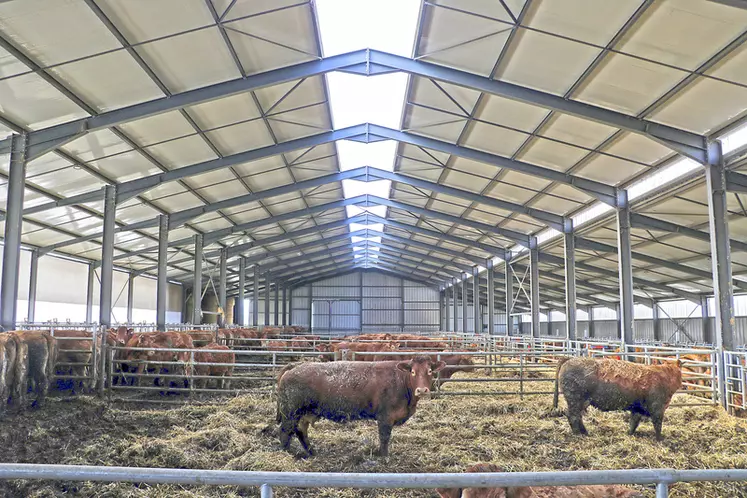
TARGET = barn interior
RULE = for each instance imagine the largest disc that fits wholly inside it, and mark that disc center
(275, 176)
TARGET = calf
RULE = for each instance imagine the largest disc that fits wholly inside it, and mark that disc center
(385, 391)
(74, 347)
(36, 359)
(8, 351)
(224, 371)
(613, 491)
(616, 385)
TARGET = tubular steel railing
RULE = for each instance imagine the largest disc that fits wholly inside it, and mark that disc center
(266, 481)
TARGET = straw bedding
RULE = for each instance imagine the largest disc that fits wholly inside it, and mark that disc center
(446, 435)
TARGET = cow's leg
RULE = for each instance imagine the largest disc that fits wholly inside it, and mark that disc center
(575, 412)
(288, 427)
(657, 418)
(385, 433)
(302, 432)
(635, 419)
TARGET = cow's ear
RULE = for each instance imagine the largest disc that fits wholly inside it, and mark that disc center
(679, 364)
(405, 366)
(438, 366)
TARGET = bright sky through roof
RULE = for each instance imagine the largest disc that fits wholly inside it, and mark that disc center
(347, 25)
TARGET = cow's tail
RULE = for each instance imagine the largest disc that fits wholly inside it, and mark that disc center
(557, 377)
(289, 366)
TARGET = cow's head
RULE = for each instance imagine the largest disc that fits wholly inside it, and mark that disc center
(420, 372)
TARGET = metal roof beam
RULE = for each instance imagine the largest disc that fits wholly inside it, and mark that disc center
(550, 219)
(601, 191)
(649, 223)
(429, 247)
(684, 142)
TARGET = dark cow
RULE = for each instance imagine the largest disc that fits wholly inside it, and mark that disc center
(221, 372)
(76, 347)
(613, 491)
(616, 385)
(385, 391)
(35, 359)
(8, 351)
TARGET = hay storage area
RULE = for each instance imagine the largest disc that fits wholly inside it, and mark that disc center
(446, 435)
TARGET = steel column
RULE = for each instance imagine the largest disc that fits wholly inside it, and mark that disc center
(720, 248)
(402, 304)
(464, 303)
(277, 304)
(447, 304)
(456, 304)
(131, 295)
(657, 321)
(107, 255)
(509, 295)
(311, 306)
(570, 285)
(290, 307)
(591, 322)
(239, 306)
(13, 227)
(162, 282)
(625, 268)
(706, 321)
(222, 287)
(89, 292)
(491, 296)
(255, 297)
(33, 277)
(534, 283)
(197, 281)
(285, 303)
(267, 299)
(476, 300)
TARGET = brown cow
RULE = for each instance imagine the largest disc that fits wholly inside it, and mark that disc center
(74, 346)
(35, 361)
(157, 359)
(616, 385)
(613, 491)
(385, 391)
(224, 372)
(8, 386)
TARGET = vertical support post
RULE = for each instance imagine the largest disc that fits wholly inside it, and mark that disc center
(625, 267)
(89, 292)
(447, 298)
(13, 225)
(239, 306)
(656, 320)
(571, 322)
(476, 299)
(311, 306)
(464, 303)
(491, 296)
(509, 294)
(33, 277)
(706, 321)
(456, 304)
(534, 283)
(222, 275)
(441, 293)
(402, 304)
(131, 295)
(162, 281)
(720, 259)
(277, 304)
(255, 297)
(267, 299)
(285, 303)
(592, 333)
(107, 256)
(290, 307)
(197, 281)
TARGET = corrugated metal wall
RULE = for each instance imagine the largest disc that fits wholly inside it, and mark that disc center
(367, 302)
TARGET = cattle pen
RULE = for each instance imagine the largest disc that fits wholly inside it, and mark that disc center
(373, 248)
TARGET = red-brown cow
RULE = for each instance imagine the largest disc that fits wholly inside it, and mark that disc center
(385, 391)
(222, 373)
(35, 364)
(8, 351)
(616, 385)
(613, 491)
(75, 346)
(158, 358)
